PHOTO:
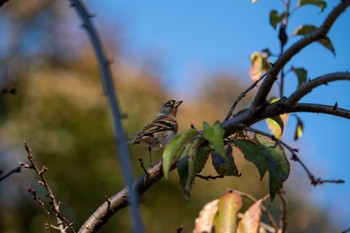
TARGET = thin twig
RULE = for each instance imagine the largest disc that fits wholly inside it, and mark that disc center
(15, 170)
(283, 214)
(37, 199)
(283, 38)
(242, 95)
(179, 229)
(347, 230)
(62, 222)
(112, 99)
(143, 166)
(295, 157)
(207, 178)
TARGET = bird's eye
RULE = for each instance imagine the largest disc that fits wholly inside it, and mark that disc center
(169, 103)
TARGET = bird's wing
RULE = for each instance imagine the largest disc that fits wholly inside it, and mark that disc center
(161, 124)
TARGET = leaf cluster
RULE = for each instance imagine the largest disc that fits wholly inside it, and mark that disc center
(191, 150)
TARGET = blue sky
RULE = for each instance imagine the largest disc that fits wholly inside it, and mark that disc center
(206, 36)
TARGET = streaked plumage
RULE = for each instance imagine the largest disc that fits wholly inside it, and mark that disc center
(158, 133)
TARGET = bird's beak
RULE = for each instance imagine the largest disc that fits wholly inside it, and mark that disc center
(177, 104)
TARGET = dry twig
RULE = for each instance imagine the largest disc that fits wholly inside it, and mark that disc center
(62, 222)
(207, 178)
(15, 170)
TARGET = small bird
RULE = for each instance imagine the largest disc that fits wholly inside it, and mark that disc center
(158, 133)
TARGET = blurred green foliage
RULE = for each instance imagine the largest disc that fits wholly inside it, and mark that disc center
(61, 111)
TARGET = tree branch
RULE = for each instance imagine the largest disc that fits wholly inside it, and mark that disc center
(15, 170)
(112, 99)
(283, 214)
(210, 177)
(313, 36)
(309, 86)
(119, 200)
(318, 108)
(62, 222)
(347, 230)
(242, 95)
(2, 2)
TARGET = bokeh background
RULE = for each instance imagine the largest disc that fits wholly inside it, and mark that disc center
(196, 51)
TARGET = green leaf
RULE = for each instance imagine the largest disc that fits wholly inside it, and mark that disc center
(301, 73)
(276, 124)
(299, 128)
(275, 18)
(319, 3)
(173, 150)
(197, 158)
(226, 216)
(254, 153)
(215, 137)
(225, 167)
(279, 167)
(306, 29)
(259, 65)
(327, 43)
(303, 30)
(251, 219)
(192, 164)
(182, 169)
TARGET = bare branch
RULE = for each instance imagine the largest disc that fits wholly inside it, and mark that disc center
(143, 165)
(242, 95)
(120, 200)
(318, 108)
(315, 35)
(37, 199)
(62, 222)
(207, 178)
(112, 99)
(309, 86)
(283, 214)
(15, 170)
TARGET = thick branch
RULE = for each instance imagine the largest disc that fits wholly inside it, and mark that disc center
(119, 200)
(62, 222)
(315, 35)
(113, 102)
(309, 86)
(318, 108)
